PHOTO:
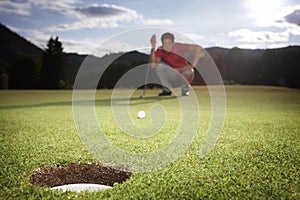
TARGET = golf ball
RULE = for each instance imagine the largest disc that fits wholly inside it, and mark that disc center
(141, 115)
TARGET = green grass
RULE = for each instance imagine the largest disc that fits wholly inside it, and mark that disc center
(257, 155)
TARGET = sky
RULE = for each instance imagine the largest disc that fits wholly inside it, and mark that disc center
(83, 25)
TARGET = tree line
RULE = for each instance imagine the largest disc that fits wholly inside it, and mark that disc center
(34, 72)
(279, 67)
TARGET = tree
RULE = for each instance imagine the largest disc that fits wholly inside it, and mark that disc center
(24, 73)
(113, 73)
(234, 61)
(53, 72)
(4, 78)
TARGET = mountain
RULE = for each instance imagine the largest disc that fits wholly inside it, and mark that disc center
(109, 68)
(125, 60)
(14, 47)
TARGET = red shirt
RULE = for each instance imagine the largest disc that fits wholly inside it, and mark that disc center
(175, 58)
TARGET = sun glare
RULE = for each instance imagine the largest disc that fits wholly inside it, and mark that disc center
(264, 10)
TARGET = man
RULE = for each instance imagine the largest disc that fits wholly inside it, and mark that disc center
(171, 65)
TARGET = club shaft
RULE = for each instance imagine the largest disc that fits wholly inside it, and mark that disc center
(146, 79)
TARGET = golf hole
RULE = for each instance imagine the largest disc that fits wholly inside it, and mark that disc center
(79, 177)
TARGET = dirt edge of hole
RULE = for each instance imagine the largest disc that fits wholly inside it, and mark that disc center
(78, 173)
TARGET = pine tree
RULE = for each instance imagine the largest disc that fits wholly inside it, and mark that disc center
(53, 72)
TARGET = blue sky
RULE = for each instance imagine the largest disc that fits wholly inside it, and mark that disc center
(82, 25)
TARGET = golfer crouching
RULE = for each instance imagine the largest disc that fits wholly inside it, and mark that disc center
(170, 64)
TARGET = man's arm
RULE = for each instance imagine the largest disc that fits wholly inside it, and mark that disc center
(153, 59)
(197, 52)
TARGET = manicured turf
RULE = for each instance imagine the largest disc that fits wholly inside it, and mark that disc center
(257, 155)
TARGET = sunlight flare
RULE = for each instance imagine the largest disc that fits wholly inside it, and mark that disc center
(265, 11)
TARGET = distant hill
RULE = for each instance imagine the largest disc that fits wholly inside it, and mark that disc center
(278, 67)
(14, 47)
(121, 62)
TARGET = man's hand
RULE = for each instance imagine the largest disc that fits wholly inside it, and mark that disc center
(187, 72)
(153, 59)
(181, 70)
(153, 41)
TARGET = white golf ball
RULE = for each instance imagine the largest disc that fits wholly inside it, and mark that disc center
(141, 115)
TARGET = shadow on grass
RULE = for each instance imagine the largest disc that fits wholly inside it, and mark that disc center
(97, 102)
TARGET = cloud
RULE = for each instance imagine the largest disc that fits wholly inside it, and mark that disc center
(294, 31)
(112, 47)
(97, 16)
(83, 46)
(157, 21)
(289, 17)
(249, 36)
(87, 17)
(38, 37)
(41, 38)
(262, 46)
(100, 11)
(273, 16)
(294, 17)
(287, 20)
(106, 16)
(194, 37)
(24, 7)
(91, 16)
(18, 8)
(106, 12)
(84, 23)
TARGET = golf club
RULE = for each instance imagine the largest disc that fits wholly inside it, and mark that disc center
(146, 80)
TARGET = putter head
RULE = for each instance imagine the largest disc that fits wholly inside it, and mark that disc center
(142, 97)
